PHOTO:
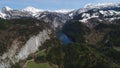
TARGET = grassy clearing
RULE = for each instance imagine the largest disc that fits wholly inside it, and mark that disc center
(117, 48)
(41, 53)
(32, 64)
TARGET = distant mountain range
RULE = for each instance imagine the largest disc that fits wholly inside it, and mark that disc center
(102, 12)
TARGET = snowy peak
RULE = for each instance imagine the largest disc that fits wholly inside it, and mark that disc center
(100, 5)
(28, 12)
(32, 9)
(106, 11)
(6, 8)
(3, 11)
(102, 8)
(107, 5)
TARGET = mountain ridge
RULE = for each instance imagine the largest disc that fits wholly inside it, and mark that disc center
(103, 10)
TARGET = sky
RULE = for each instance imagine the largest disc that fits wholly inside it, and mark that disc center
(52, 4)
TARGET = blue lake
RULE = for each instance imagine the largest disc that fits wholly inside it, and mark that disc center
(63, 38)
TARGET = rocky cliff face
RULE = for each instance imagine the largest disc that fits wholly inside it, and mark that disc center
(21, 38)
(15, 54)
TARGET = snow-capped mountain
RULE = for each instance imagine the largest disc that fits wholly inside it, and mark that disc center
(108, 12)
(32, 9)
(3, 11)
(103, 6)
(55, 18)
(6, 8)
(27, 12)
(12, 14)
(103, 12)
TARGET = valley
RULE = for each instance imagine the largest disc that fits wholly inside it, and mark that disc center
(88, 37)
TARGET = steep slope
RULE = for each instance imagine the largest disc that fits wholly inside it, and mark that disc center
(56, 20)
(19, 38)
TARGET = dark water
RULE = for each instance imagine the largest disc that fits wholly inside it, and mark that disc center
(63, 38)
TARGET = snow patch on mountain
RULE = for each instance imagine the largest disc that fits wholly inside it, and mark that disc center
(85, 15)
(96, 7)
(109, 12)
(100, 5)
(33, 11)
(63, 10)
(106, 4)
(2, 15)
